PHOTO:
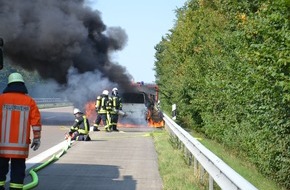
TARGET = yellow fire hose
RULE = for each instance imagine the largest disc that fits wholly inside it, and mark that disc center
(33, 171)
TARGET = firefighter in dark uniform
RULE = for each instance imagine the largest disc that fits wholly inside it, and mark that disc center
(81, 127)
(116, 105)
(102, 108)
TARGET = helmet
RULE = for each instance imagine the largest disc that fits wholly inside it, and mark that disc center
(15, 77)
(76, 110)
(115, 91)
(105, 92)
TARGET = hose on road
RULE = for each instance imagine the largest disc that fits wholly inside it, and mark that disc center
(33, 171)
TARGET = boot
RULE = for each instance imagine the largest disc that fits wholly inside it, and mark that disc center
(96, 128)
(115, 128)
(107, 128)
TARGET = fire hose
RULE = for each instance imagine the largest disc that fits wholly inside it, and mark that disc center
(33, 171)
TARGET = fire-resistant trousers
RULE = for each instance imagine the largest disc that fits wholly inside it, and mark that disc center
(17, 172)
(114, 121)
(104, 118)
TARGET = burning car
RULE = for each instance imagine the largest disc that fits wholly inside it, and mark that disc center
(139, 109)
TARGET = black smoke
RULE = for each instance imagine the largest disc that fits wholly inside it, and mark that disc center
(66, 42)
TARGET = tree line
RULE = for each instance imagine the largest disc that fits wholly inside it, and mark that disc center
(225, 63)
(31, 78)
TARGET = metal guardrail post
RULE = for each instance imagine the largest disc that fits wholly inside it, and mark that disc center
(210, 183)
(224, 176)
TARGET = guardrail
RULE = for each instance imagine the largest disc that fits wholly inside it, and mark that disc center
(204, 160)
(49, 100)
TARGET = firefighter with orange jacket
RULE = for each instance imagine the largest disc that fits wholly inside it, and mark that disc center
(19, 115)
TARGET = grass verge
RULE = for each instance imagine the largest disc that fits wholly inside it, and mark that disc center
(239, 164)
(174, 171)
(178, 175)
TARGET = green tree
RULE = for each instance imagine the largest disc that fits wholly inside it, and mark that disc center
(226, 66)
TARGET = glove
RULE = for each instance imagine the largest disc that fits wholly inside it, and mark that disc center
(35, 144)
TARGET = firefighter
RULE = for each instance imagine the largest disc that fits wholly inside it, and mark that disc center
(116, 105)
(81, 127)
(102, 108)
(19, 115)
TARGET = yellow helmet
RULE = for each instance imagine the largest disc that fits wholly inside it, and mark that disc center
(15, 77)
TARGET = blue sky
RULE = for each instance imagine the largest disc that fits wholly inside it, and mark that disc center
(145, 22)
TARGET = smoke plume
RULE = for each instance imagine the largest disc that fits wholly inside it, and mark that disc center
(65, 42)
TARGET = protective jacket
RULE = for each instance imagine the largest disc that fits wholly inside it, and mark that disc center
(81, 125)
(102, 104)
(18, 113)
(116, 104)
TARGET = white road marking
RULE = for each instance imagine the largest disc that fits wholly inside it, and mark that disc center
(42, 156)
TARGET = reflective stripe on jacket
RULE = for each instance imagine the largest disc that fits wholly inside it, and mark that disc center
(81, 125)
(102, 104)
(116, 104)
(18, 112)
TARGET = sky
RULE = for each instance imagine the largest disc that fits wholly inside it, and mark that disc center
(145, 22)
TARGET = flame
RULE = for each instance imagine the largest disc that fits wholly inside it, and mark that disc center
(92, 115)
(156, 124)
(90, 111)
(130, 125)
(151, 114)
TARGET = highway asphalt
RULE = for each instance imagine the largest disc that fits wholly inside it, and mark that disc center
(124, 160)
